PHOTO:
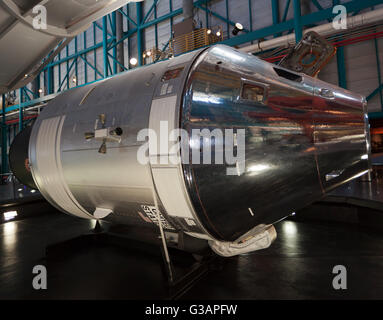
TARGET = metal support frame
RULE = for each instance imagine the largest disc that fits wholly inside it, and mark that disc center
(286, 11)
(275, 12)
(109, 43)
(379, 89)
(342, 80)
(139, 33)
(226, 20)
(297, 20)
(105, 46)
(21, 97)
(379, 72)
(4, 144)
(66, 63)
(305, 20)
(120, 48)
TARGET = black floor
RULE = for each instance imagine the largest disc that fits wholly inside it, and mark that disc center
(297, 266)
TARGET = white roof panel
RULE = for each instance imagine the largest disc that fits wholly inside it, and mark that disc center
(22, 48)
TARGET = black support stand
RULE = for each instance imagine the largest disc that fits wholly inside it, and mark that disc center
(185, 268)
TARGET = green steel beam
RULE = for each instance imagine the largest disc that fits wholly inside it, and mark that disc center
(229, 22)
(117, 62)
(69, 68)
(94, 51)
(292, 24)
(129, 46)
(4, 145)
(76, 64)
(153, 6)
(377, 55)
(378, 71)
(9, 134)
(171, 18)
(111, 23)
(286, 11)
(275, 12)
(297, 20)
(128, 17)
(227, 18)
(317, 4)
(32, 102)
(155, 27)
(308, 19)
(139, 33)
(21, 109)
(102, 27)
(85, 59)
(342, 81)
(114, 26)
(59, 73)
(319, 7)
(126, 36)
(251, 15)
(27, 91)
(105, 45)
(92, 66)
(50, 85)
(374, 92)
(375, 115)
(67, 71)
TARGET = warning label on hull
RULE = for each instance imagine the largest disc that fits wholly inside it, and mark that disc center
(151, 213)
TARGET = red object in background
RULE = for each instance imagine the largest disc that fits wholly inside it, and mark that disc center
(376, 130)
(14, 121)
(339, 43)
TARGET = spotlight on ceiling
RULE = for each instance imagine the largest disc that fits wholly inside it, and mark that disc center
(133, 61)
(218, 34)
(148, 53)
(237, 28)
(208, 31)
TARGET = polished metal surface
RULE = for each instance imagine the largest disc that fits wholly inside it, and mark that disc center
(113, 180)
(303, 138)
(303, 131)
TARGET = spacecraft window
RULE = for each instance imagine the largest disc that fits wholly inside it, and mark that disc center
(288, 75)
(253, 92)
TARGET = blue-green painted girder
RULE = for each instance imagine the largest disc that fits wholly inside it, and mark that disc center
(139, 33)
(4, 144)
(297, 20)
(105, 45)
(137, 27)
(308, 19)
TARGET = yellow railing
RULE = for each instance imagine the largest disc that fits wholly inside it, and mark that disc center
(195, 39)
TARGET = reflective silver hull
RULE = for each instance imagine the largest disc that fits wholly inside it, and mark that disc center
(303, 137)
